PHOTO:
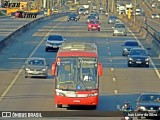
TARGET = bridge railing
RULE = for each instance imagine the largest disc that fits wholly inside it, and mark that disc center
(146, 31)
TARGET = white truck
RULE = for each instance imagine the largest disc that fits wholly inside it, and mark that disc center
(129, 7)
(121, 9)
(138, 12)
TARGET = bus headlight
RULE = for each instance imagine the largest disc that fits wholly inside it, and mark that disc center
(93, 94)
(60, 94)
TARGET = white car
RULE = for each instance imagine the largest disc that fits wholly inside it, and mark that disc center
(153, 15)
(54, 41)
(158, 16)
(119, 29)
(154, 5)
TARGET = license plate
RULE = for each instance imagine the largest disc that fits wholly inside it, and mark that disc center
(35, 73)
(77, 101)
(138, 62)
(54, 46)
(93, 27)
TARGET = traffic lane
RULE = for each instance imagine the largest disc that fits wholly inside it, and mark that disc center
(105, 96)
(13, 57)
(128, 80)
(24, 104)
(10, 24)
(29, 85)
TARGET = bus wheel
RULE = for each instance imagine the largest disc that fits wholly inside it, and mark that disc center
(59, 106)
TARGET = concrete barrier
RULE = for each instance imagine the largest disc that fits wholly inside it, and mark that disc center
(147, 32)
(9, 38)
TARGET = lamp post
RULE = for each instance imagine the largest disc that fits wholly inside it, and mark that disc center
(135, 4)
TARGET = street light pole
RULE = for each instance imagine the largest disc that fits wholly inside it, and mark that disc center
(135, 4)
(112, 6)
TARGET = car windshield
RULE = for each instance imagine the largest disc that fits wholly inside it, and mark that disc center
(77, 73)
(91, 17)
(93, 14)
(82, 10)
(138, 52)
(150, 98)
(119, 26)
(72, 15)
(36, 62)
(55, 37)
(131, 44)
(94, 22)
(113, 17)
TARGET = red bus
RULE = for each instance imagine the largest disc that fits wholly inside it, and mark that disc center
(77, 72)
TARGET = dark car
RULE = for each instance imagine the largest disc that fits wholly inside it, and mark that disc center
(148, 103)
(112, 19)
(73, 17)
(94, 25)
(139, 57)
(91, 18)
(128, 45)
(95, 14)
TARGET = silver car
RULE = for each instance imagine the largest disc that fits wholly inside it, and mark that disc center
(36, 67)
(54, 41)
(119, 29)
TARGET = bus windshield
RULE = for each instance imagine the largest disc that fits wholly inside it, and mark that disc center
(77, 73)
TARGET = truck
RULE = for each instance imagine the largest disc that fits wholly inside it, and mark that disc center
(122, 9)
(129, 7)
(138, 11)
(76, 72)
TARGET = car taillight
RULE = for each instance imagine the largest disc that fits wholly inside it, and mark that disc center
(89, 25)
(98, 25)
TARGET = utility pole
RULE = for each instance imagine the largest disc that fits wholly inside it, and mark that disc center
(135, 6)
(112, 6)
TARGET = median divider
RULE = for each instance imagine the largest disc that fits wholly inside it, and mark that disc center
(24, 28)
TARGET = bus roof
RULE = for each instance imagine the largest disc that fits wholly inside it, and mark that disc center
(78, 49)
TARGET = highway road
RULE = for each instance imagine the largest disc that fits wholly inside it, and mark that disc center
(10, 24)
(117, 85)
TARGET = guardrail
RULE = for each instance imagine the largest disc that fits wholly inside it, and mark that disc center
(146, 31)
(11, 37)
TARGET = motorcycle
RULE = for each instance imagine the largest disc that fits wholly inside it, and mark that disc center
(125, 114)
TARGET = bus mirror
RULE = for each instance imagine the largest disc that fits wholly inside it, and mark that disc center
(53, 68)
(99, 69)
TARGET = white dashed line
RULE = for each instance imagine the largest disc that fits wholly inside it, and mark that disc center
(115, 91)
(156, 70)
(114, 79)
(21, 70)
(112, 69)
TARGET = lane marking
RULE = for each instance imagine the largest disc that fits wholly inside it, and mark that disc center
(156, 70)
(115, 91)
(21, 70)
(112, 69)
